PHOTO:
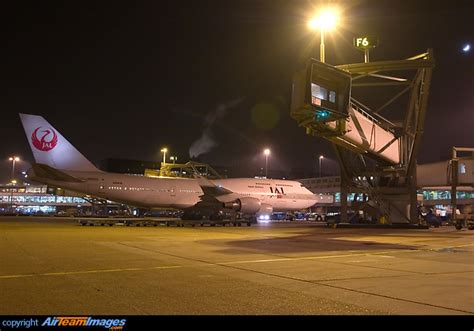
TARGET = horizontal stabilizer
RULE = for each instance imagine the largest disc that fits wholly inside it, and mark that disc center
(45, 171)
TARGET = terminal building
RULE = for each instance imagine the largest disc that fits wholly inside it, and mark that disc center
(40, 200)
(127, 166)
(436, 197)
(430, 196)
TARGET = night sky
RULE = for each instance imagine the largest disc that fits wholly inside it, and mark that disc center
(124, 79)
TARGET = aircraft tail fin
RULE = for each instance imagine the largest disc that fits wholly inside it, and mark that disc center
(49, 147)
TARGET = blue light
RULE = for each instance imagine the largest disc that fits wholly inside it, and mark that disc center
(322, 115)
(466, 48)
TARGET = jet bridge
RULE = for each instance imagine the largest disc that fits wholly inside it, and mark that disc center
(323, 107)
(377, 155)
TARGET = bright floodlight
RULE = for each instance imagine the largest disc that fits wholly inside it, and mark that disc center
(266, 151)
(164, 150)
(321, 157)
(313, 24)
(466, 48)
(14, 158)
(326, 20)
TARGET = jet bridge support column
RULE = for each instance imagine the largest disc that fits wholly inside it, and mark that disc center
(413, 192)
(344, 191)
(454, 184)
(460, 174)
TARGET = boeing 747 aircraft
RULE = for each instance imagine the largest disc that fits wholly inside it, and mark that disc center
(58, 163)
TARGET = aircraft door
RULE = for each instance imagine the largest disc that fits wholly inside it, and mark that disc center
(97, 188)
(102, 188)
(172, 191)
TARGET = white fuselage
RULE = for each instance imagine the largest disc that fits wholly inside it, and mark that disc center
(182, 193)
(282, 195)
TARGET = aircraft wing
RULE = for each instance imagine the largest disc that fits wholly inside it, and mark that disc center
(211, 191)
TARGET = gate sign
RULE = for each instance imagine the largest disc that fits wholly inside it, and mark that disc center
(366, 42)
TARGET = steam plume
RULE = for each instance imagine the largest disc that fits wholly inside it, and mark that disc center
(205, 143)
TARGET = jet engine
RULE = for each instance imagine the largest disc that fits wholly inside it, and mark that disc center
(249, 206)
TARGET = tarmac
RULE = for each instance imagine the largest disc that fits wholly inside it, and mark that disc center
(55, 266)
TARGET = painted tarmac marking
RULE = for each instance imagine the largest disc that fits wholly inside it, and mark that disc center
(303, 258)
(88, 272)
(83, 272)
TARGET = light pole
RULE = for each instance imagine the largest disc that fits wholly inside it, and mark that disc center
(320, 164)
(174, 159)
(164, 150)
(266, 152)
(13, 183)
(325, 21)
(14, 159)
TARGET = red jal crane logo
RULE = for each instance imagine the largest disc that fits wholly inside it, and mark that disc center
(48, 140)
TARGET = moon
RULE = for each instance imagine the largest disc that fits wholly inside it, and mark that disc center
(466, 48)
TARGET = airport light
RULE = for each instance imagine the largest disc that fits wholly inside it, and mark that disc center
(14, 159)
(320, 164)
(164, 150)
(13, 183)
(266, 152)
(326, 20)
